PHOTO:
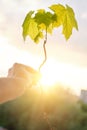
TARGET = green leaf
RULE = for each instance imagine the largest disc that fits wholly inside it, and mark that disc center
(36, 23)
(31, 28)
(43, 17)
(37, 38)
(66, 18)
(26, 24)
(69, 22)
(59, 11)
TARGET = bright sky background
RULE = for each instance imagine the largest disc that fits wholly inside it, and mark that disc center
(69, 58)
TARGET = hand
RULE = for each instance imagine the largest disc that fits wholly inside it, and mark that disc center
(24, 72)
(18, 79)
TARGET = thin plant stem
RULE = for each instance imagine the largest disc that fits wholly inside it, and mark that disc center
(45, 52)
(44, 114)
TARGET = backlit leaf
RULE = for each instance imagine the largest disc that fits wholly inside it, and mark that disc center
(69, 23)
(43, 17)
(66, 18)
(26, 24)
(36, 23)
(59, 10)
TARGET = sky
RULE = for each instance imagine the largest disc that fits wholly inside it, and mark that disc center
(68, 57)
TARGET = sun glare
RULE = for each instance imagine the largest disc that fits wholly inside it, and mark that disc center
(49, 75)
(65, 74)
(52, 72)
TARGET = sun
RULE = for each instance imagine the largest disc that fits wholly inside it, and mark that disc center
(49, 75)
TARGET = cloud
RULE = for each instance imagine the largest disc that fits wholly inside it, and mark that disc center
(2, 18)
(84, 16)
(10, 54)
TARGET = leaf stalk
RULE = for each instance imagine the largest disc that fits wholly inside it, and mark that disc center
(45, 52)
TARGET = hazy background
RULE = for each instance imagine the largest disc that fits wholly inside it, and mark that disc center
(71, 54)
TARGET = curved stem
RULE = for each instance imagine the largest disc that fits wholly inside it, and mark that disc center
(45, 52)
(44, 114)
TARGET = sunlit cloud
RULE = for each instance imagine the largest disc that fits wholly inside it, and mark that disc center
(2, 18)
(10, 54)
(84, 16)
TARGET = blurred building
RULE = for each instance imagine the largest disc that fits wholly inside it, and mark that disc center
(83, 95)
